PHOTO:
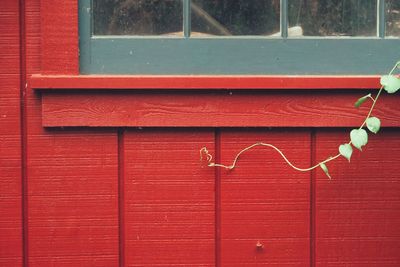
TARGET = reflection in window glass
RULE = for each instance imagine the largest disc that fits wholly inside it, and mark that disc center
(239, 17)
(333, 17)
(137, 17)
(393, 18)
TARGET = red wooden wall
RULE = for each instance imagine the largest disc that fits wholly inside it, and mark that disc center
(130, 190)
(11, 218)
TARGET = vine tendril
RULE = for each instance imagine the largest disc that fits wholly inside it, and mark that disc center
(205, 155)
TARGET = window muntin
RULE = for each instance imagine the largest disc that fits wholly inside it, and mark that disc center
(192, 45)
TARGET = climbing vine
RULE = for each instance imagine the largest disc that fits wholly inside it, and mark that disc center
(358, 136)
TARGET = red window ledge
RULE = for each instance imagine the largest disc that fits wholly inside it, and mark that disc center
(126, 101)
(202, 82)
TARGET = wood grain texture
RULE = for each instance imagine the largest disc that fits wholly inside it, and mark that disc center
(263, 200)
(213, 109)
(11, 244)
(357, 212)
(57, 82)
(73, 199)
(169, 198)
(59, 37)
(32, 65)
(169, 212)
(72, 175)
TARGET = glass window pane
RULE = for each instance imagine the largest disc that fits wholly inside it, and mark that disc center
(332, 17)
(137, 17)
(393, 18)
(239, 17)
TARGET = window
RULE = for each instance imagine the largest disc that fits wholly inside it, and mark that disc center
(263, 37)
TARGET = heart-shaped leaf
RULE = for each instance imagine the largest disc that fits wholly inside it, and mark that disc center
(391, 83)
(373, 124)
(361, 100)
(346, 150)
(325, 169)
(359, 138)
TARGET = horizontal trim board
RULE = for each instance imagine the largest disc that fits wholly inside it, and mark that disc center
(306, 56)
(57, 82)
(212, 109)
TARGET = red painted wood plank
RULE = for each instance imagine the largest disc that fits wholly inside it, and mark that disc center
(11, 244)
(169, 198)
(47, 254)
(213, 109)
(72, 175)
(265, 201)
(57, 82)
(357, 213)
(73, 199)
(59, 37)
(32, 65)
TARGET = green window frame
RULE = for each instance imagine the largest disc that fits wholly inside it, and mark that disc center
(239, 55)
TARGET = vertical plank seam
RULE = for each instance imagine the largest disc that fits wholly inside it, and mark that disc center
(121, 197)
(217, 199)
(312, 199)
(23, 133)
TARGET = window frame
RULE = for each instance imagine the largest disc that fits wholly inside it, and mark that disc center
(241, 55)
(59, 80)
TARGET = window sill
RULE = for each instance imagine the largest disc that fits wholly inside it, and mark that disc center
(191, 101)
(72, 82)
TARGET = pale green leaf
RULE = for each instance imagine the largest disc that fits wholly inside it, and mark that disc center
(325, 169)
(346, 150)
(373, 124)
(390, 83)
(361, 100)
(359, 138)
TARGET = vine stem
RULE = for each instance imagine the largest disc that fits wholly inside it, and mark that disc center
(233, 165)
(209, 157)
